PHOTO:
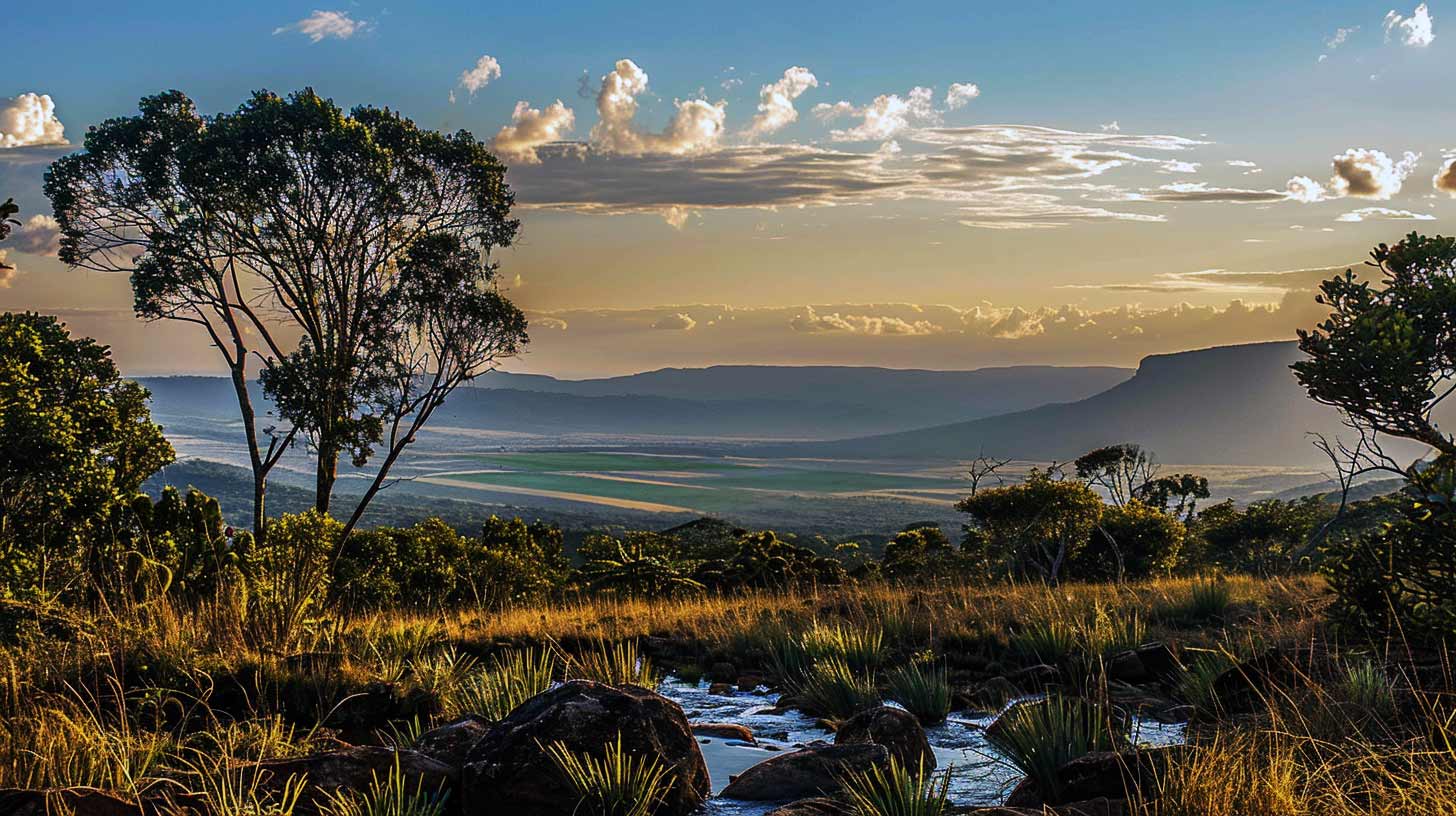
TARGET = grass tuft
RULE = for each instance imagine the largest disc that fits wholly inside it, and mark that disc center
(1041, 736)
(896, 791)
(923, 690)
(614, 784)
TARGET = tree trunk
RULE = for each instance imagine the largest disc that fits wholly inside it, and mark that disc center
(328, 473)
(255, 457)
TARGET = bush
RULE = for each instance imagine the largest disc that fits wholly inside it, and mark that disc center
(1040, 737)
(1402, 578)
(1263, 538)
(1032, 528)
(1140, 539)
(923, 691)
(288, 576)
(830, 688)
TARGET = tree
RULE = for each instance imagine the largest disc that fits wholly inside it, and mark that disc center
(1122, 470)
(921, 551)
(74, 438)
(1386, 356)
(1133, 541)
(1032, 527)
(364, 236)
(1187, 488)
(640, 564)
(982, 468)
(1267, 537)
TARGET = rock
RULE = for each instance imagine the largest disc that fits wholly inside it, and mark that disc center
(723, 672)
(1102, 775)
(721, 689)
(818, 806)
(1127, 667)
(731, 731)
(509, 772)
(452, 741)
(72, 801)
(1245, 686)
(1159, 661)
(995, 692)
(1036, 678)
(896, 729)
(751, 682)
(354, 768)
(811, 771)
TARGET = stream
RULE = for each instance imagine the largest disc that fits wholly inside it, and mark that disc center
(978, 774)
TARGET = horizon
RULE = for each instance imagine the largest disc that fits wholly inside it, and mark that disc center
(988, 190)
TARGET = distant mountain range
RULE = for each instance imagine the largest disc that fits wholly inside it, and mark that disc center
(746, 402)
(1234, 405)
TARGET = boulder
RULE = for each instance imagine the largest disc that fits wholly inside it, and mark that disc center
(1111, 775)
(1036, 678)
(74, 801)
(814, 770)
(508, 771)
(722, 672)
(894, 728)
(731, 731)
(1158, 660)
(451, 742)
(355, 768)
(818, 806)
(1246, 686)
(721, 689)
(1127, 667)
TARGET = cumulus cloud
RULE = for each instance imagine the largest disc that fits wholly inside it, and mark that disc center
(886, 116)
(960, 94)
(486, 68)
(1417, 30)
(677, 321)
(1445, 179)
(38, 235)
(1305, 190)
(531, 129)
(323, 24)
(1112, 127)
(1340, 37)
(811, 321)
(1384, 214)
(7, 269)
(696, 127)
(776, 102)
(30, 120)
(1367, 173)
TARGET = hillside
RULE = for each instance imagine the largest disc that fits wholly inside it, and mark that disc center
(1234, 405)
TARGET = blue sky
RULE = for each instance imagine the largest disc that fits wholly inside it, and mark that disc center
(625, 228)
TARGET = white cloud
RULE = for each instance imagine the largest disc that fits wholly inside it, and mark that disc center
(1367, 173)
(1417, 30)
(38, 235)
(696, 127)
(7, 269)
(776, 102)
(677, 321)
(1384, 214)
(322, 24)
(810, 321)
(531, 129)
(1340, 36)
(960, 94)
(554, 323)
(1305, 190)
(1112, 127)
(486, 68)
(29, 120)
(881, 119)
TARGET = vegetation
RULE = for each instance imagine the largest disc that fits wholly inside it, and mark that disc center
(898, 791)
(614, 784)
(1043, 735)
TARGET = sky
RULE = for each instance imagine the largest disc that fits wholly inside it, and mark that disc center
(934, 185)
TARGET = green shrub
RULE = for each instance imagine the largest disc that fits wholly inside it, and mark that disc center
(615, 783)
(288, 577)
(1142, 540)
(897, 791)
(923, 691)
(1041, 736)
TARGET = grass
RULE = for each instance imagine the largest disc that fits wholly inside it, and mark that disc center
(616, 783)
(1041, 736)
(390, 796)
(830, 688)
(923, 691)
(898, 791)
(615, 664)
(512, 678)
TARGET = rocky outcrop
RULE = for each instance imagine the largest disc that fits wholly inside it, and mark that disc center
(508, 770)
(814, 770)
(894, 728)
(451, 742)
(1111, 775)
(76, 801)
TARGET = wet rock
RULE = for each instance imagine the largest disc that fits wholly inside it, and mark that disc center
(509, 772)
(354, 768)
(751, 682)
(896, 729)
(723, 672)
(995, 692)
(814, 770)
(1110, 775)
(75, 801)
(721, 689)
(451, 742)
(731, 731)
(818, 806)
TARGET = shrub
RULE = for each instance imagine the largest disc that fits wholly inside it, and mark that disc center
(1048, 639)
(1132, 541)
(897, 791)
(1032, 528)
(1263, 538)
(615, 783)
(1039, 737)
(289, 577)
(923, 691)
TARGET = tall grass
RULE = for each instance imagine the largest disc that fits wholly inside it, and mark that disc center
(1195, 685)
(511, 679)
(1041, 736)
(390, 796)
(615, 664)
(616, 783)
(1050, 640)
(898, 791)
(923, 690)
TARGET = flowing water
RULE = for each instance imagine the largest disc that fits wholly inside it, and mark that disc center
(978, 774)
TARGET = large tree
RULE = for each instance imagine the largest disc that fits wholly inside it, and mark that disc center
(346, 255)
(1386, 356)
(1033, 527)
(74, 438)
